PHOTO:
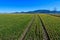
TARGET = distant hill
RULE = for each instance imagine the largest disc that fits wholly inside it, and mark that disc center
(41, 11)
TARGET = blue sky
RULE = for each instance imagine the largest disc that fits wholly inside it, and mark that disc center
(28, 5)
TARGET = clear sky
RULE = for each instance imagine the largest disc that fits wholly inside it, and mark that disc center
(28, 5)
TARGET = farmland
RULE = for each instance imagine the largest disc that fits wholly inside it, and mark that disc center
(52, 25)
(12, 26)
(35, 32)
(29, 27)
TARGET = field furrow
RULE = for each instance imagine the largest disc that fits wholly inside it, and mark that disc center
(35, 32)
(45, 34)
(27, 29)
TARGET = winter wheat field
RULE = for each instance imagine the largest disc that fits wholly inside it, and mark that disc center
(29, 27)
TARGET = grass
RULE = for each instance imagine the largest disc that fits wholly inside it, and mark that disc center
(13, 25)
(52, 24)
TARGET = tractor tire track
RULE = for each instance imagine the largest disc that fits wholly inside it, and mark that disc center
(26, 30)
(45, 34)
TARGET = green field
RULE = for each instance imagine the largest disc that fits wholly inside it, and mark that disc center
(52, 24)
(35, 32)
(13, 26)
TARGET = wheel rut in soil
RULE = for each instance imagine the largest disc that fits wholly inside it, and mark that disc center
(45, 34)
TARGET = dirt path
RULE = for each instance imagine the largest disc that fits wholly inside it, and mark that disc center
(45, 34)
(26, 30)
